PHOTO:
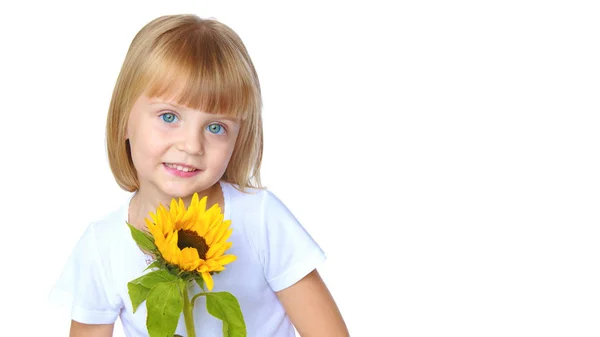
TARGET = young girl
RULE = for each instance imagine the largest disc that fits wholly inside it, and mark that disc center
(185, 117)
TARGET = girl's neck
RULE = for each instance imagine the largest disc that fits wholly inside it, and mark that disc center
(144, 202)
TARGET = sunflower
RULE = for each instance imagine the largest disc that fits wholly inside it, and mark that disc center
(192, 239)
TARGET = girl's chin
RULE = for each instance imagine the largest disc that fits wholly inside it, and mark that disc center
(183, 190)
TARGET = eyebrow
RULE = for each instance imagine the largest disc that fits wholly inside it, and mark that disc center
(177, 106)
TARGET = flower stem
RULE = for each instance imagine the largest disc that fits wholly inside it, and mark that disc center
(188, 313)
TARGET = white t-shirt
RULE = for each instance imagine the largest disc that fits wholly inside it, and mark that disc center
(273, 252)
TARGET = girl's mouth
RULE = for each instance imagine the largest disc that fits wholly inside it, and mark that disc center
(180, 167)
(181, 171)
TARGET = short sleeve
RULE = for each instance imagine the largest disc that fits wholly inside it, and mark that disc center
(83, 285)
(289, 251)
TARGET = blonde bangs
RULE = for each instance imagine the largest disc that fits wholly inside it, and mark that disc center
(195, 69)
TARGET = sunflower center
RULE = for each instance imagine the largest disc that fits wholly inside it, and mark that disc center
(191, 239)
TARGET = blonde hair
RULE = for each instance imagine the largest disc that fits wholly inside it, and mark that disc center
(202, 64)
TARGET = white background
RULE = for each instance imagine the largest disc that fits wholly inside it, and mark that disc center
(445, 154)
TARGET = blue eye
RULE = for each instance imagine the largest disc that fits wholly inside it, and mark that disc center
(217, 129)
(168, 117)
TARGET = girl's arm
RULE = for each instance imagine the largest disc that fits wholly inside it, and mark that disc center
(91, 330)
(311, 308)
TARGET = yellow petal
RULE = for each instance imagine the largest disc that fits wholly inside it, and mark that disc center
(225, 259)
(187, 222)
(189, 259)
(214, 210)
(202, 267)
(154, 229)
(216, 233)
(219, 268)
(194, 201)
(194, 206)
(191, 215)
(212, 233)
(213, 221)
(202, 225)
(173, 209)
(214, 248)
(225, 236)
(180, 210)
(218, 250)
(208, 280)
(169, 250)
(212, 264)
(216, 219)
(154, 218)
(164, 220)
(216, 267)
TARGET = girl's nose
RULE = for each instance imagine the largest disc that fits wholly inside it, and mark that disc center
(191, 142)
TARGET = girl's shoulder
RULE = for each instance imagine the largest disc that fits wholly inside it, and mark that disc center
(280, 242)
(259, 210)
(111, 226)
(251, 200)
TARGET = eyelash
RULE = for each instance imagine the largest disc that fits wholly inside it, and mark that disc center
(223, 127)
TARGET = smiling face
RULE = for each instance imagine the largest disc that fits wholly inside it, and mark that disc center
(176, 150)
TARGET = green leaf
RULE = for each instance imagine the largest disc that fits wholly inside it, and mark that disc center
(138, 294)
(144, 240)
(226, 307)
(155, 264)
(140, 287)
(165, 304)
(150, 279)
